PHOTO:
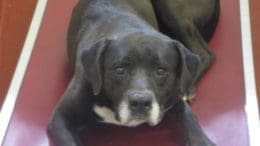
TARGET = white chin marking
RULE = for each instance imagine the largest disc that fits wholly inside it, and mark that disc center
(154, 118)
(124, 115)
(134, 123)
(108, 116)
(124, 112)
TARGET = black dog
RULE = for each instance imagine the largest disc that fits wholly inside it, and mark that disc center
(134, 62)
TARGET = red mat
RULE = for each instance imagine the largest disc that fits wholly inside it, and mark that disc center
(220, 94)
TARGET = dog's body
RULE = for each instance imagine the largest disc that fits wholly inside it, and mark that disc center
(127, 72)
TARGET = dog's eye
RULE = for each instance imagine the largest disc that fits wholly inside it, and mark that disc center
(161, 71)
(120, 70)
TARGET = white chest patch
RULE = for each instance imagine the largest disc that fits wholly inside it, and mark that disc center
(108, 116)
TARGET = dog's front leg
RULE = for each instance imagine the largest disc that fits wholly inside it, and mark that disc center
(69, 115)
(61, 132)
(182, 117)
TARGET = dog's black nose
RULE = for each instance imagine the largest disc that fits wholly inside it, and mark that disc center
(140, 103)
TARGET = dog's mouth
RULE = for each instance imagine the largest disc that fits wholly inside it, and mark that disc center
(123, 115)
(135, 108)
(130, 117)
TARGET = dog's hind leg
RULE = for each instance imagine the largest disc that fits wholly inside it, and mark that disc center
(187, 22)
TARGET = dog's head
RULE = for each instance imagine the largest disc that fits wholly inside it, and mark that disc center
(142, 75)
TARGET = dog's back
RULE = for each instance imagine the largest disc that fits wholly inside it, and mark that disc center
(203, 14)
(93, 20)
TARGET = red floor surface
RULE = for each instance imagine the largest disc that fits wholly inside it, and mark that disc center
(220, 94)
(15, 18)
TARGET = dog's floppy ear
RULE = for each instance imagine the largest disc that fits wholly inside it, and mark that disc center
(92, 59)
(188, 70)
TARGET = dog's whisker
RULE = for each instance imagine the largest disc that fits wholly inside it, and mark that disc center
(167, 109)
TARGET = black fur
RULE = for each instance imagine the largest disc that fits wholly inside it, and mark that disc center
(118, 45)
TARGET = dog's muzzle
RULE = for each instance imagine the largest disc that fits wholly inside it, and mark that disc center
(139, 106)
